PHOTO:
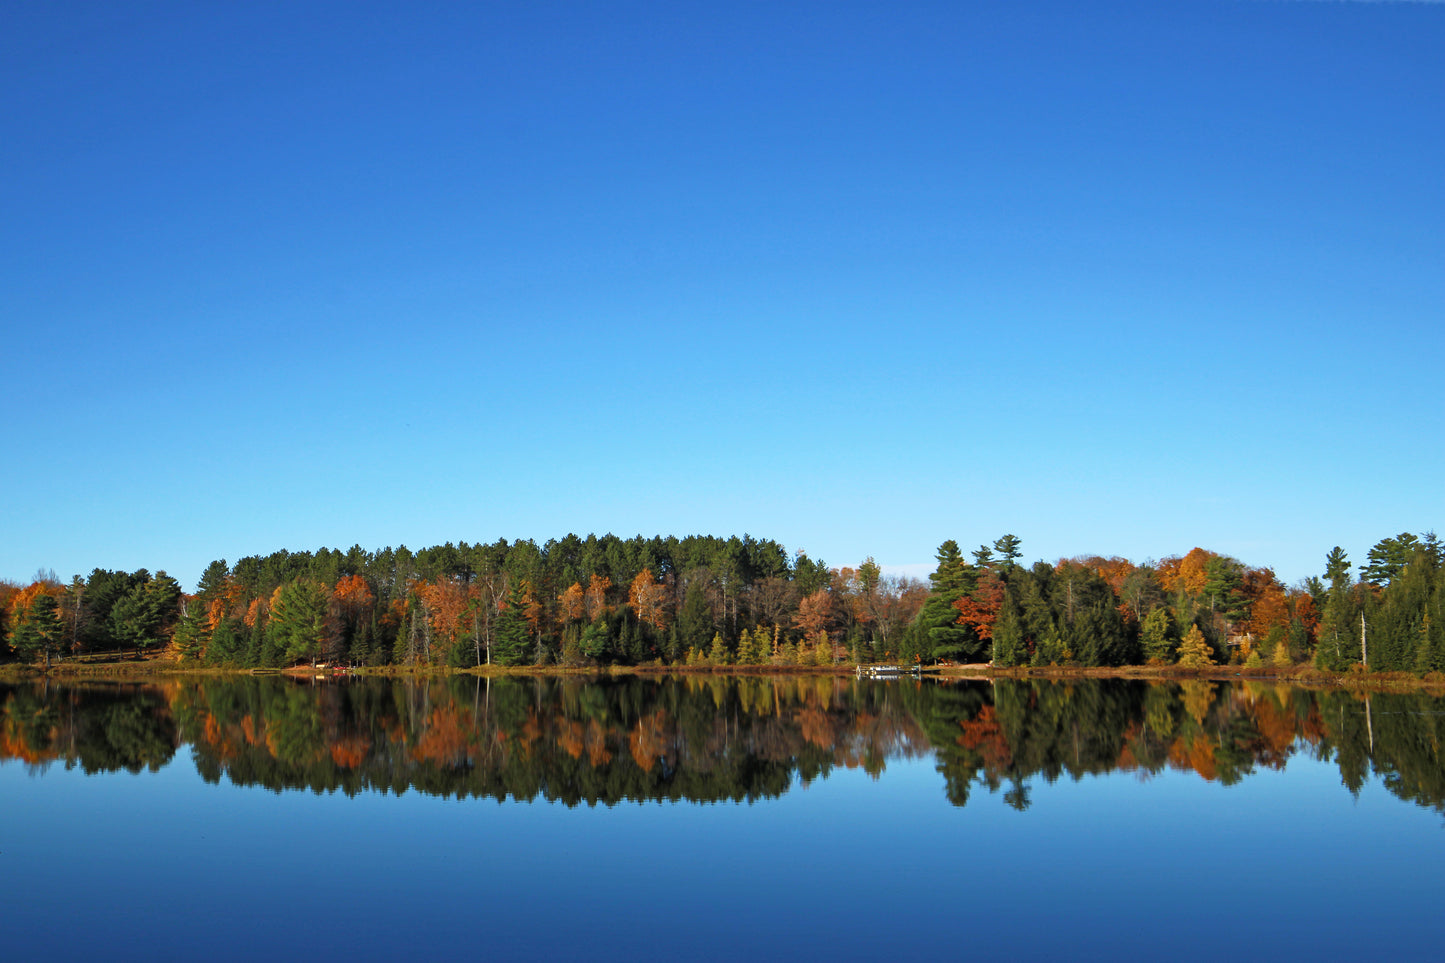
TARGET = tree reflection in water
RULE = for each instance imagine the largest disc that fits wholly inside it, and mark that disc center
(708, 738)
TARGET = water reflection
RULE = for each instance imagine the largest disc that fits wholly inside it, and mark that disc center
(712, 738)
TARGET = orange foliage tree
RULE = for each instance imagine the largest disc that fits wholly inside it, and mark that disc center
(595, 598)
(1269, 606)
(648, 599)
(1187, 573)
(446, 606)
(572, 604)
(980, 609)
(349, 606)
(815, 611)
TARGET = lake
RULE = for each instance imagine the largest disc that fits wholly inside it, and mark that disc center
(716, 818)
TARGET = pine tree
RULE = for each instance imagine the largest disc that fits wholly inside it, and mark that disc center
(225, 647)
(748, 650)
(1158, 636)
(1338, 644)
(297, 619)
(141, 616)
(191, 635)
(718, 653)
(1396, 635)
(938, 619)
(41, 631)
(695, 616)
(1009, 648)
(1389, 557)
(762, 645)
(512, 632)
(1008, 547)
(594, 640)
(1049, 650)
(1339, 640)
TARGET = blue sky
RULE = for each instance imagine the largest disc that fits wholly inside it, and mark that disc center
(1120, 278)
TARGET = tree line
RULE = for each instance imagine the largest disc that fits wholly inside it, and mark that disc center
(703, 600)
(1194, 610)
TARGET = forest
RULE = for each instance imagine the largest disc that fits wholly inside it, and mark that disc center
(708, 602)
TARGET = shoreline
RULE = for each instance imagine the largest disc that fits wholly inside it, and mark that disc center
(155, 667)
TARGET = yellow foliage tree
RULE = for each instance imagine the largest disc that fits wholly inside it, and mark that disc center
(1194, 651)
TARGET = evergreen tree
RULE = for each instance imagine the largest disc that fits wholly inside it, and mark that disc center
(401, 648)
(1338, 645)
(141, 616)
(1159, 636)
(1337, 567)
(226, 646)
(694, 619)
(40, 631)
(810, 575)
(910, 645)
(718, 653)
(753, 647)
(1050, 650)
(1009, 648)
(297, 620)
(1038, 615)
(1388, 559)
(1087, 615)
(594, 640)
(192, 634)
(1430, 649)
(1399, 627)
(937, 620)
(1008, 547)
(1224, 579)
(1339, 636)
(103, 589)
(512, 633)
(259, 653)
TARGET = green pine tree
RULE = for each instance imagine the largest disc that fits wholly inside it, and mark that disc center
(718, 653)
(40, 631)
(512, 633)
(1158, 636)
(1009, 646)
(937, 620)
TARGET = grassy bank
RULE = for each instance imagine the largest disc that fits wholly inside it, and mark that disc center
(1304, 675)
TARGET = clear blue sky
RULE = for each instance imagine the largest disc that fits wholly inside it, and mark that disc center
(1119, 278)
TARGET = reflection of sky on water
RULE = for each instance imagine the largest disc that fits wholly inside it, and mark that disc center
(164, 865)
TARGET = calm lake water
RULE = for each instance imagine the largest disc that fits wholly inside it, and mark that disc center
(714, 818)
